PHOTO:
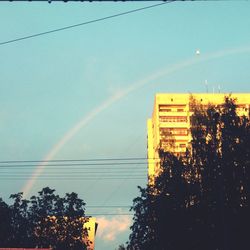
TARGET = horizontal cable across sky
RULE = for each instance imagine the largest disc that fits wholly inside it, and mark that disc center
(80, 164)
(73, 179)
(78, 160)
(130, 168)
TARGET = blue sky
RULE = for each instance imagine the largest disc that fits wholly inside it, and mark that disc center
(50, 83)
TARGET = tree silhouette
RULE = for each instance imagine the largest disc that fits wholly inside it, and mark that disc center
(44, 221)
(20, 224)
(201, 200)
(5, 224)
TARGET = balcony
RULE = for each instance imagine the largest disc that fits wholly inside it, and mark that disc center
(173, 124)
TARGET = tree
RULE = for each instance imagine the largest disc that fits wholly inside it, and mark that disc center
(200, 201)
(220, 154)
(5, 224)
(160, 212)
(46, 220)
(20, 224)
(59, 222)
(121, 247)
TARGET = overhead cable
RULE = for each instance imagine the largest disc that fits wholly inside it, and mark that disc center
(84, 23)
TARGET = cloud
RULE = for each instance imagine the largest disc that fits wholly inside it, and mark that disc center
(110, 227)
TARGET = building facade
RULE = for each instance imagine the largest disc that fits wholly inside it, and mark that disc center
(91, 227)
(169, 127)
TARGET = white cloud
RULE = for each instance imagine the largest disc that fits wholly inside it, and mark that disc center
(110, 227)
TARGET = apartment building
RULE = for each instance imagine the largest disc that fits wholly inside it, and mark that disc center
(169, 127)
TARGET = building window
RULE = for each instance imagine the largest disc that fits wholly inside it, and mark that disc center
(173, 119)
(166, 132)
(164, 108)
(180, 110)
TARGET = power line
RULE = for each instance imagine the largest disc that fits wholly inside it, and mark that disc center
(111, 174)
(78, 160)
(84, 23)
(56, 178)
(81, 164)
(72, 179)
(78, 164)
(69, 172)
(111, 169)
(83, 171)
(117, 166)
(120, 173)
(75, 174)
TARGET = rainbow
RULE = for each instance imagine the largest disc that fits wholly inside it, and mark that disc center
(118, 96)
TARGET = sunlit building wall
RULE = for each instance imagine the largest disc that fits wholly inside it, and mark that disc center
(169, 127)
(91, 227)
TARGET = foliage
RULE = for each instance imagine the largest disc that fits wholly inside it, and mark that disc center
(202, 200)
(121, 247)
(5, 223)
(46, 220)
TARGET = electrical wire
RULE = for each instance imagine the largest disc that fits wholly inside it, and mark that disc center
(78, 160)
(75, 179)
(80, 178)
(70, 174)
(82, 165)
(78, 164)
(77, 170)
(89, 170)
(67, 173)
(84, 23)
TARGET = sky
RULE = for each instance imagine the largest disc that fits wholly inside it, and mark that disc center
(86, 92)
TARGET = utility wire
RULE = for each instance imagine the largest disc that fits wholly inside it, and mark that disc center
(73, 173)
(109, 175)
(79, 164)
(84, 23)
(76, 171)
(78, 160)
(75, 178)
(82, 171)
(128, 178)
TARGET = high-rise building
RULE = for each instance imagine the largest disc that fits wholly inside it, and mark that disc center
(169, 127)
(91, 227)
